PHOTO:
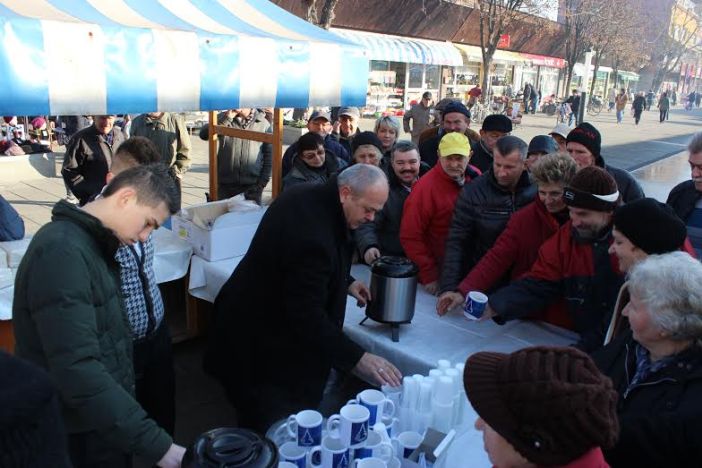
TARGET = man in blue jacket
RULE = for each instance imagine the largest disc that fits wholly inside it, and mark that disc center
(11, 224)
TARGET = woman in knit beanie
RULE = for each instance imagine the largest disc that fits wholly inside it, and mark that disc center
(542, 407)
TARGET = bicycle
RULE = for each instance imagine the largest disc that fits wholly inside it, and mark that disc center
(478, 113)
(563, 113)
(594, 106)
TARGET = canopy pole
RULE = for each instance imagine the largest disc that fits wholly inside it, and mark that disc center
(277, 151)
(212, 143)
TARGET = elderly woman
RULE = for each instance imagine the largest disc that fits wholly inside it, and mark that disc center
(312, 163)
(656, 366)
(366, 148)
(516, 249)
(388, 131)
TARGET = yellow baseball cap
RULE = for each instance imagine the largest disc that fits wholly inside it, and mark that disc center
(454, 143)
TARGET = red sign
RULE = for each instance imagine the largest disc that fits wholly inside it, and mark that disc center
(504, 42)
(544, 61)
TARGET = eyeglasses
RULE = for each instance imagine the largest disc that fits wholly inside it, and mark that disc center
(307, 155)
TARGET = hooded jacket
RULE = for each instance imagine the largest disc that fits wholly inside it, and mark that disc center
(68, 319)
(481, 214)
(427, 217)
(302, 173)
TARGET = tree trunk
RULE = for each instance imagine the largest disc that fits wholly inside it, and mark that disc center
(311, 10)
(487, 62)
(569, 78)
(594, 74)
(325, 21)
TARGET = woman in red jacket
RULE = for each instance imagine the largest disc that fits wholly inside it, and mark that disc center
(518, 246)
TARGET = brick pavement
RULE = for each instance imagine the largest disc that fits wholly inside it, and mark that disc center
(625, 145)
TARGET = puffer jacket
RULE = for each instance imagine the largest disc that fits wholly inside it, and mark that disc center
(68, 319)
(301, 173)
(481, 157)
(481, 214)
(629, 188)
(429, 144)
(239, 161)
(426, 219)
(514, 253)
(581, 272)
(660, 419)
(331, 144)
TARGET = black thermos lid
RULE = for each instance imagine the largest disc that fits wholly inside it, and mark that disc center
(229, 447)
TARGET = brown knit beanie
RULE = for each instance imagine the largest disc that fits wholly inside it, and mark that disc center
(592, 188)
(551, 404)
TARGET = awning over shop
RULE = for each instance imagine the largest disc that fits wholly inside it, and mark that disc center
(630, 76)
(472, 53)
(132, 56)
(403, 49)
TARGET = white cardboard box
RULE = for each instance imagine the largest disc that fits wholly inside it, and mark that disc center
(230, 234)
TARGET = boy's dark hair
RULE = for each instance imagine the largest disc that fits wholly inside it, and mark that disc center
(138, 151)
(154, 184)
(310, 141)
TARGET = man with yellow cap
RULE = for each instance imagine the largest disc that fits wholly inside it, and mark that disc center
(429, 208)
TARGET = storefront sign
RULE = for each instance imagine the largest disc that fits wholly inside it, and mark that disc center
(545, 61)
(504, 41)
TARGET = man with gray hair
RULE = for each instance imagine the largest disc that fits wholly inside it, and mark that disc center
(686, 197)
(483, 209)
(277, 322)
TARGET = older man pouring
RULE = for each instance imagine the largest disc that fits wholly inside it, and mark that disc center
(277, 330)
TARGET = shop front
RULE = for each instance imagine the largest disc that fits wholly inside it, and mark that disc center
(402, 69)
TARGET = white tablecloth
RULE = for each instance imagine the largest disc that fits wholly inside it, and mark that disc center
(171, 260)
(430, 337)
(207, 278)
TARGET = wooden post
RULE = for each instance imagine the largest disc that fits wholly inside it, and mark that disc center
(277, 151)
(212, 143)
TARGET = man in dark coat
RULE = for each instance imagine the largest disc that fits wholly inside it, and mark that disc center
(584, 144)
(455, 117)
(277, 323)
(494, 127)
(684, 198)
(382, 236)
(484, 208)
(89, 156)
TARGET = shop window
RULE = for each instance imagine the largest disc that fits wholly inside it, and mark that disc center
(433, 74)
(415, 75)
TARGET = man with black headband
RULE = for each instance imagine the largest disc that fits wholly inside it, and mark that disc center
(573, 265)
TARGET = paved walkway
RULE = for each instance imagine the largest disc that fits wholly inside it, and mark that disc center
(624, 145)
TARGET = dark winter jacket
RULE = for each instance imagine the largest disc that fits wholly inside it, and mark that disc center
(243, 162)
(427, 217)
(683, 198)
(629, 188)
(481, 157)
(513, 254)
(68, 319)
(639, 104)
(345, 141)
(301, 173)
(660, 419)
(278, 320)
(87, 160)
(581, 272)
(481, 214)
(331, 144)
(11, 223)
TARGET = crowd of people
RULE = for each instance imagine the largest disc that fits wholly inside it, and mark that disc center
(547, 229)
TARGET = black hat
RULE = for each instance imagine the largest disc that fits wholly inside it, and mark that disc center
(542, 144)
(497, 123)
(651, 226)
(456, 106)
(588, 136)
(365, 138)
(551, 404)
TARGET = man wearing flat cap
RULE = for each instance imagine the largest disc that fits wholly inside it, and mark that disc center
(494, 127)
(574, 264)
(454, 118)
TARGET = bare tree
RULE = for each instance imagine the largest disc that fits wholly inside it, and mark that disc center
(580, 20)
(327, 16)
(497, 18)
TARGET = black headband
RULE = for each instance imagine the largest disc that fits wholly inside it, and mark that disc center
(589, 201)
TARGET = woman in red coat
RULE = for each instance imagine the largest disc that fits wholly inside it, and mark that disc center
(518, 246)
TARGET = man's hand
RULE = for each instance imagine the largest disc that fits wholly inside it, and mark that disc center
(370, 255)
(173, 457)
(488, 313)
(361, 292)
(448, 301)
(432, 288)
(377, 370)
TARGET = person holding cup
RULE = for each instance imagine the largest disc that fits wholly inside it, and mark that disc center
(277, 322)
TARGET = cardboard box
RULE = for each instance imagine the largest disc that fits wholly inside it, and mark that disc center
(214, 232)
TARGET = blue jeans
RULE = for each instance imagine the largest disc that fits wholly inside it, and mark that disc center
(572, 117)
(620, 116)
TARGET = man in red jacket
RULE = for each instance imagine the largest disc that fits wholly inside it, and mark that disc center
(429, 208)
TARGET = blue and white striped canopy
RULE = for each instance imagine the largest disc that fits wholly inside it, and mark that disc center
(130, 56)
(404, 49)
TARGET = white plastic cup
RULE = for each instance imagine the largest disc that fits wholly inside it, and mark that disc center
(443, 364)
(443, 392)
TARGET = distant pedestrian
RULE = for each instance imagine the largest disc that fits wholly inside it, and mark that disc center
(473, 96)
(528, 91)
(574, 102)
(664, 106)
(698, 98)
(638, 106)
(690, 100)
(419, 114)
(650, 96)
(674, 98)
(620, 102)
(611, 97)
